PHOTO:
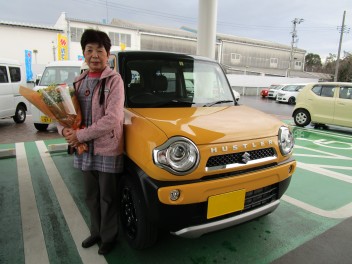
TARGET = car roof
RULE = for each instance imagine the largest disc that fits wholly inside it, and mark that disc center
(9, 61)
(159, 55)
(65, 63)
(332, 83)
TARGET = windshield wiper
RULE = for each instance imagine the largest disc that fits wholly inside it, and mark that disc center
(175, 102)
(217, 102)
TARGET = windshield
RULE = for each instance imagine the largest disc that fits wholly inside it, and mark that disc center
(59, 75)
(292, 88)
(176, 83)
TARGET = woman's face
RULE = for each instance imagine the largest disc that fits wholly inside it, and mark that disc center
(96, 57)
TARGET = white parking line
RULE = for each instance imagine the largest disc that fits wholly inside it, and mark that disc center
(342, 212)
(323, 170)
(78, 227)
(33, 238)
(325, 154)
(317, 168)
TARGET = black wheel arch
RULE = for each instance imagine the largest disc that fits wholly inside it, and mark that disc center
(148, 187)
(24, 105)
(300, 109)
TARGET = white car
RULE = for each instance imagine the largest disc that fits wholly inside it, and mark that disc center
(274, 89)
(288, 93)
(55, 72)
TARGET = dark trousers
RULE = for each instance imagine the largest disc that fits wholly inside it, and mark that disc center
(101, 200)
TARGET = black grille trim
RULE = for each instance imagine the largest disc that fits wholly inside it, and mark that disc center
(236, 158)
(255, 199)
(260, 197)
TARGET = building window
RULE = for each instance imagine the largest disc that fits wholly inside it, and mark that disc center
(126, 39)
(115, 38)
(119, 38)
(76, 34)
(273, 62)
(298, 65)
(235, 58)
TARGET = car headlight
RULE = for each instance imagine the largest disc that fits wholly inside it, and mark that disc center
(178, 155)
(286, 141)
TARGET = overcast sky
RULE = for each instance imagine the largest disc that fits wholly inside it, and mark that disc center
(269, 20)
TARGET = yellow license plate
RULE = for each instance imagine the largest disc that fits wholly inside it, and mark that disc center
(45, 119)
(225, 203)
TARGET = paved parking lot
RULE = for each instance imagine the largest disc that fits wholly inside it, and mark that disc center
(43, 217)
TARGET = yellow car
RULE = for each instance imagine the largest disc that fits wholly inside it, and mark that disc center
(324, 103)
(196, 162)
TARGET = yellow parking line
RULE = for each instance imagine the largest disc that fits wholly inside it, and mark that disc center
(78, 227)
(33, 238)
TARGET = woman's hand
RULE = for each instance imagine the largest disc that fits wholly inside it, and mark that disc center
(70, 136)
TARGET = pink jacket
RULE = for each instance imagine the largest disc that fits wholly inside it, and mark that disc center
(107, 120)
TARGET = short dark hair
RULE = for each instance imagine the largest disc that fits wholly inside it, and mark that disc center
(95, 36)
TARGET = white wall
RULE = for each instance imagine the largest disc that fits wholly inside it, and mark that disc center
(251, 84)
(15, 40)
(264, 81)
(76, 50)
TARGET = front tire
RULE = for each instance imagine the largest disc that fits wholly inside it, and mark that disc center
(41, 127)
(20, 115)
(301, 117)
(139, 232)
(291, 100)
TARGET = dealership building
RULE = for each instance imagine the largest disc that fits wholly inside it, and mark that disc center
(61, 41)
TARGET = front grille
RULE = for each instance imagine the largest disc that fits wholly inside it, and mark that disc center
(233, 158)
(260, 197)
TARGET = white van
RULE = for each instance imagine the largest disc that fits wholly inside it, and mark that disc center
(56, 72)
(12, 104)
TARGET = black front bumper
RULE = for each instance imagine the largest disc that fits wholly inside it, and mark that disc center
(190, 220)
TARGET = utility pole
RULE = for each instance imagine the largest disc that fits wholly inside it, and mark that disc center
(343, 29)
(293, 41)
(107, 12)
(54, 50)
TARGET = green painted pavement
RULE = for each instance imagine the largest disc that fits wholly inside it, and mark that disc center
(318, 190)
(259, 241)
(11, 242)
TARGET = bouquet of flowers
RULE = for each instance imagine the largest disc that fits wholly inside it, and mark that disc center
(60, 103)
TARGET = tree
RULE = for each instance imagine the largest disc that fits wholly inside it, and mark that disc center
(329, 66)
(345, 69)
(313, 63)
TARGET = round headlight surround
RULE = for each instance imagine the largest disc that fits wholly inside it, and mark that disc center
(178, 155)
(285, 140)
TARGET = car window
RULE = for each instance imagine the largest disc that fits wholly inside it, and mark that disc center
(317, 89)
(3, 75)
(58, 75)
(299, 87)
(327, 91)
(290, 88)
(324, 90)
(168, 83)
(15, 74)
(345, 93)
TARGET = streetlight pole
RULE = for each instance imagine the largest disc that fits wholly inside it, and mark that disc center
(338, 53)
(294, 35)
